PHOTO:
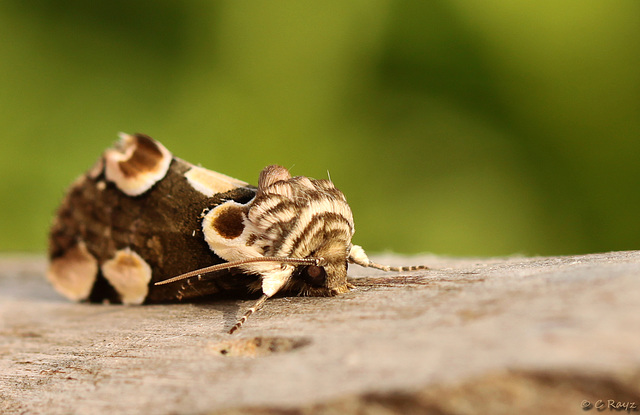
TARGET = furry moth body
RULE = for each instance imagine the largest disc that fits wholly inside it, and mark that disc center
(142, 226)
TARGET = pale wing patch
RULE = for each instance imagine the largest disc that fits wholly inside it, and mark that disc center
(136, 164)
(225, 231)
(209, 182)
(229, 235)
(74, 273)
(129, 274)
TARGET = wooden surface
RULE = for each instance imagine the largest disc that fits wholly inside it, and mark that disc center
(518, 335)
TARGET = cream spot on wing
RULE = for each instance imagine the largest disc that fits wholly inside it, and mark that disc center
(129, 274)
(209, 182)
(74, 273)
(226, 232)
(136, 164)
(228, 220)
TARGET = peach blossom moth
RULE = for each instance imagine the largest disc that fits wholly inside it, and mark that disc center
(142, 226)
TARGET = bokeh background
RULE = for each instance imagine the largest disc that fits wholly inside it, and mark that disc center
(459, 127)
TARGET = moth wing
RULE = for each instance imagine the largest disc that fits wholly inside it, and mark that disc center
(107, 245)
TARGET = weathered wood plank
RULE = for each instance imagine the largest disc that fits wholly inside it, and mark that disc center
(517, 335)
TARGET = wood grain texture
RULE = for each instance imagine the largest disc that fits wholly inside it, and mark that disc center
(515, 335)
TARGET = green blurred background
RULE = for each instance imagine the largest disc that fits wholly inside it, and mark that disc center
(455, 126)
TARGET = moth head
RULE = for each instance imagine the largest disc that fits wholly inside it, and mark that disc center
(328, 278)
(290, 217)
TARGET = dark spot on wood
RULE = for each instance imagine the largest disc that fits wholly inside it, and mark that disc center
(260, 346)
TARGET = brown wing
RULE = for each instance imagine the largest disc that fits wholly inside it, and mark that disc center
(106, 245)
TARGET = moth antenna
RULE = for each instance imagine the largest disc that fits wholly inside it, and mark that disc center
(397, 269)
(250, 311)
(228, 265)
(359, 257)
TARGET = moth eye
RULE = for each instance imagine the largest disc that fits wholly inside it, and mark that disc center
(315, 275)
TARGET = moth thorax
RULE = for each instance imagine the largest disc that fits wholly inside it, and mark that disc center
(299, 225)
(325, 234)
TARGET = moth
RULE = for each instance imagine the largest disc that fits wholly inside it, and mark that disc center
(142, 226)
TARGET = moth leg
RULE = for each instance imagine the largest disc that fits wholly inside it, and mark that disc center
(250, 311)
(359, 257)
